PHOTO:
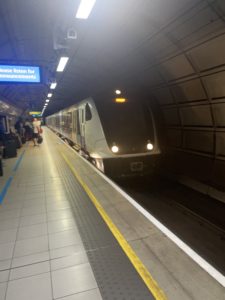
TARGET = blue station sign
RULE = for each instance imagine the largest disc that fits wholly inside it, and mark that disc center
(19, 74)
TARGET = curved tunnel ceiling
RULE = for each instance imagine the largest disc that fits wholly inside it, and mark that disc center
(173, 51)
(140, 44)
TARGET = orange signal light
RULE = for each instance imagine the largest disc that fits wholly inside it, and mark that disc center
(120, 100)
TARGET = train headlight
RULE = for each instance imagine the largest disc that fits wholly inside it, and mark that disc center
(149, 146)
(115, 149)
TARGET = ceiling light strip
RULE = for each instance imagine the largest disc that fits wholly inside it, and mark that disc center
(62, 63)
(53, 85)
(84, 9)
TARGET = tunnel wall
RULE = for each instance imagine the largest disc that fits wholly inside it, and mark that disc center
(193, 107)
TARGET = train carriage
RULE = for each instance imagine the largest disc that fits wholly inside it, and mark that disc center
(119, 137)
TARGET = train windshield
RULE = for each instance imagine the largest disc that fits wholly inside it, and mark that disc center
(129, 125)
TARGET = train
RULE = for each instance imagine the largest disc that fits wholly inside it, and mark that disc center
(118, 135)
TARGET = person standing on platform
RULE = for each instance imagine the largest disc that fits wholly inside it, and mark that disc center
(36, 130)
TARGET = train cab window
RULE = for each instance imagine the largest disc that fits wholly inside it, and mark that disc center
(88, 114)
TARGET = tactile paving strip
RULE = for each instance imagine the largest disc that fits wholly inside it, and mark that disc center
(115, 275)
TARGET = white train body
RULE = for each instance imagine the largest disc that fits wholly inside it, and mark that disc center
(94, 128)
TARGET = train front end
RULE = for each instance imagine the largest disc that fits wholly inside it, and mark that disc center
(131, 136)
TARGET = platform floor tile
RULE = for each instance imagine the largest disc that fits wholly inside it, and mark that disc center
(28, 232)
(30, 259)
(30, 270)
(72, 280)
(3, 287)
(88, 295)
(34, 287)
(4, 275)
(31, 246)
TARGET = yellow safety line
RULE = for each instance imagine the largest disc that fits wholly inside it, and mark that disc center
(138, 265)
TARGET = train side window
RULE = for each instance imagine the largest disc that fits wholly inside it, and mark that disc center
(88, 114)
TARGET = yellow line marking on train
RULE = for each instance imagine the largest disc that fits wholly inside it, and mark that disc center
(136, 262)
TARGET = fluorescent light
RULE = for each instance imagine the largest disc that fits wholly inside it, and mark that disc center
(49, 95)
(118, 92)
(62, 63)
(84, 9)
(47, 100)
(53, 85)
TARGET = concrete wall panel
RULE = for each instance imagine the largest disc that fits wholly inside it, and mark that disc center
(210, 54)
(198, 115)
(220, 144)
(176, 67)
(219, 175)
(174, 138)
(171, 116)
(189, 91)
(198, 141)
(219, 114)
(163, 96)
(215, 85)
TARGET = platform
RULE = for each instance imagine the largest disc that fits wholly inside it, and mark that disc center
(68, 233)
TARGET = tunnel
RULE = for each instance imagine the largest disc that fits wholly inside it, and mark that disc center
(170, 53)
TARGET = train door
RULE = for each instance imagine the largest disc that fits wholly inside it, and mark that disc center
(74, 130)
(82, 127)
(78, 137)
(61, 122)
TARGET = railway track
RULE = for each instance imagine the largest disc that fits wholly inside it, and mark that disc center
(200, 219)
(206, 211)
